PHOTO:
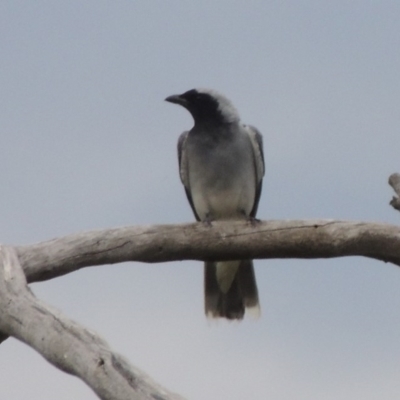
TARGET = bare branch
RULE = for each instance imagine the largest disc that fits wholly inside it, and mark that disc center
(82, 353)
(394, 182)
(222, 241)
(64, 343)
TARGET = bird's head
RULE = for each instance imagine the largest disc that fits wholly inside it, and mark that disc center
(206, 106)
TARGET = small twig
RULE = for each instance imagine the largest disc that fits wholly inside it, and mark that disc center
(394, 182)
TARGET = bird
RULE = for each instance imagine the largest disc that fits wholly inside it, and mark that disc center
(221, 166)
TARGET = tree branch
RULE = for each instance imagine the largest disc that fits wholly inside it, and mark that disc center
(77, 351)
(64, 343)
(224, 240)
(82, 353)
(394, 182)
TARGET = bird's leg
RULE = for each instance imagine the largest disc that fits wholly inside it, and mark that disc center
(253, 220)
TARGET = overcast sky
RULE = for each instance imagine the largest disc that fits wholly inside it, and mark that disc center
(87, 142)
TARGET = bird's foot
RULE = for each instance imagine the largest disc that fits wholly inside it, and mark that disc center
(207, 221)
(253, 221)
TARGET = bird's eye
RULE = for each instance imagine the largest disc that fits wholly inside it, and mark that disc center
(198, 96)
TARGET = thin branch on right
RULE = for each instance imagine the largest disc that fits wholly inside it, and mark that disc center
(394, 182)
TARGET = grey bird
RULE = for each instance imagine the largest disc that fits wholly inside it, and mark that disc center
(221, 165)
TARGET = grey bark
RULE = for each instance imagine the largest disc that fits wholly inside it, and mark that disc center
(224, 240)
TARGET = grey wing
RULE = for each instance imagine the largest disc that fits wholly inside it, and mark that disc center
(184, 169)
(257, 145)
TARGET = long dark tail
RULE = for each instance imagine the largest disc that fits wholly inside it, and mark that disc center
(241, 295)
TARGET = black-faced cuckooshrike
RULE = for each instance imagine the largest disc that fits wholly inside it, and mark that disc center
(221, 166)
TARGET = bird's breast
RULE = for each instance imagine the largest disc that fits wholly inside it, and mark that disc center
(222, 181)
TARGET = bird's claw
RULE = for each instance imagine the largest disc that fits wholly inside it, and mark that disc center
(253, 221)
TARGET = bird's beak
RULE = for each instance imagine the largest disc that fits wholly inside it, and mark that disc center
(177, 99)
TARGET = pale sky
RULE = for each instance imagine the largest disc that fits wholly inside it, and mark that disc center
(87, 142)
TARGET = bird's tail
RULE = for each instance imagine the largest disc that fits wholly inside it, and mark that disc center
(230, 288)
